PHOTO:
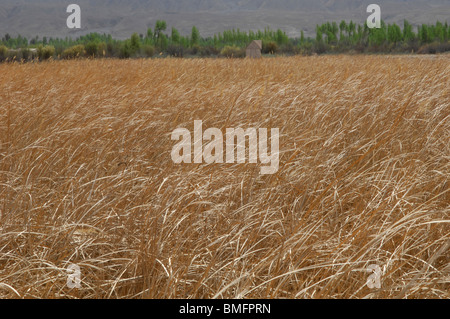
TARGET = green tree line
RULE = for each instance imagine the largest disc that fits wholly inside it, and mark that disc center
(331, 37)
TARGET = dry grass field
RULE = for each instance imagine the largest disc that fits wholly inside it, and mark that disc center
(86, 178)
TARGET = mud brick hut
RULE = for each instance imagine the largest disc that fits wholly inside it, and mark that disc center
(253, 50)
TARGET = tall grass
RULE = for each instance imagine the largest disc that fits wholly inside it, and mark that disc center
(86, 177)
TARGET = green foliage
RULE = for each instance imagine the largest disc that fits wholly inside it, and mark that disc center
(25, 53)
(45, 52)
(377, 36)
(209, 51)
(281, 37)
(91, 49)
(270, 47)
(175, 50)
(302, 37)
(3, 52)
(330, 37)
(160, 26)
(149, 33)
(394, 34)
(194, 50)
(125, 50)
(164, 42)
(319, 34)
(175, 38)
(74, 52)
(135, 43)
(232, 52)
(435, 47)
(408, 33)
(148, 50)
(343, 26)
(102, 49)
(195, 36)
(306, 48)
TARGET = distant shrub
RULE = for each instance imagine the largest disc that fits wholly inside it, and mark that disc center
(358, 48)
(74, 52)
(320, 47)
(434, 48)
(91, 49)
(270, 47)
(209, 51)
(414, 46)
(443, 47)
(125, 50)
(102, 49)
(135, 43)
(45, 53)
(3, 52)
(195, 49)
(14, 55)
(175, 50)
(289, 48)
(148, 50)
(306, 48)
(25, 53)
(232, 52)
(112, 49)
